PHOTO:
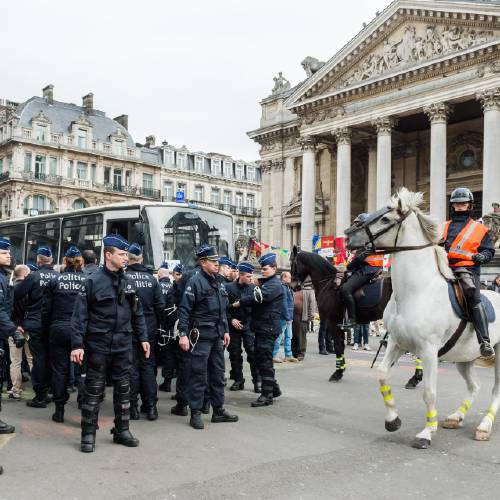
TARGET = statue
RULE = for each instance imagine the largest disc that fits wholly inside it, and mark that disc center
(281, 84)
(311, 65)
(492, 222)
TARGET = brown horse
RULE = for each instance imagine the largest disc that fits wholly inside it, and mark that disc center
(323, 276)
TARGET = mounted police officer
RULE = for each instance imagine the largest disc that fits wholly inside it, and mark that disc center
(266, 302)
(61, 295)
(203, 331)
(7, 327)
(106, 316)
(363, 267)
(469, 246)
(143, 373)
(239, 329)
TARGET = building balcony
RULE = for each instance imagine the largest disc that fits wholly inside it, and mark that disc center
(4, 176)
(34, 211)
(150, 193)
(41, 177)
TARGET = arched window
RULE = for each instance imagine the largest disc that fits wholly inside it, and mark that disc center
(80, 203)
(38, 204)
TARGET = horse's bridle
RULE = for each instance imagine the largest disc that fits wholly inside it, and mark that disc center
(374, 217)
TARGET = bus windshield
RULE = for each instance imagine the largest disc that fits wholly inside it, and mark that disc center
(176, 232)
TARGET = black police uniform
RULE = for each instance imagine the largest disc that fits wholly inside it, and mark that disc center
(61, 294)
(106, 316)
(236, 291)
(168, 348)
(143, 373)
(203, 307)
(267, 305)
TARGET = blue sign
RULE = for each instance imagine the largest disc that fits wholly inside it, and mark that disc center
(179, 197)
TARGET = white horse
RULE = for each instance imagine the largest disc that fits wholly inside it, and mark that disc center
(419, 314)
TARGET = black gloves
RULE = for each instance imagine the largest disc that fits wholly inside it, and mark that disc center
(18, 339)
(479, 258)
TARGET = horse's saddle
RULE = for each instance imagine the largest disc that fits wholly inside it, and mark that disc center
(459, 304)
(370, 294)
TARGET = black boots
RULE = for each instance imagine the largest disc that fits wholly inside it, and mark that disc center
(121, 403)
(87, 444)
(122, 435)
(134, 412)
(152, 413)
(238, 385)
(196, 421)
(41, 400)
(58, 415)
(179, 409)
(206, 407)
(257, 387)
(276, 390)
(480, 321)
(166, 386)
(221, 415)
(262, 400)
(5, 428)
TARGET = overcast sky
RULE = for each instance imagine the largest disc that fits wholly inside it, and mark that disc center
(190, 72)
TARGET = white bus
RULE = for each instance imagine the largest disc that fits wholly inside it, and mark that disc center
(167, 231)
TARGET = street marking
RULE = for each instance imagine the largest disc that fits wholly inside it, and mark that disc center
(5, 438)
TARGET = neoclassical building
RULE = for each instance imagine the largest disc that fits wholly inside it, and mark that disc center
(412, 100)
(57, 156)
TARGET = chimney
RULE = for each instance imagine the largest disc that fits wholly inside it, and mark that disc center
(88, 103)
(48, 93)
(122, 120)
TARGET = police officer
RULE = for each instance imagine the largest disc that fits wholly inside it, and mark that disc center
(363, 267)
(106, 316)
(239, 329)
(469, 246)
(7, 327)
(226, 269)
(203, 331)
(61, 295)
(143, 373)
(267, 303)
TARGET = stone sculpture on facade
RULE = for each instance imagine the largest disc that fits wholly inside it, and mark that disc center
(281, 84)
(311, 65)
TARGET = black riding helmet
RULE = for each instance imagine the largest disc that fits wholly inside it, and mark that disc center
(462, 195)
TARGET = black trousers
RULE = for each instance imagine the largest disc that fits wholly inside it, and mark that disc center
(119, 364)
(356, 280)
(240, 340)
(169, 355)
(471, 284)
(265, 336)
(40, 374)
(143, 377)
(206, 371)
(181, 384)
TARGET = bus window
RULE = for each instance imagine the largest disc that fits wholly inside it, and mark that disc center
(127, 229)
(85, 232)
(15, 234)
(42, 234)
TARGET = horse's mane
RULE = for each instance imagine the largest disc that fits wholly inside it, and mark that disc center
(319, 262)
(406, 201)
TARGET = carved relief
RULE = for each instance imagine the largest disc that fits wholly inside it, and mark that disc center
(41, 118)
(416, 43)
(465, 152)
(322, 115)
(438, 112)
(490, 99)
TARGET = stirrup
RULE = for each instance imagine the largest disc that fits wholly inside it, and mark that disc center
(487, 351)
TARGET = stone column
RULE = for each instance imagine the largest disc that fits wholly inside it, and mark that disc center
(438, 116)
(308, 208)
(383, 127)
(343, 194)
(490, 100)
(277, 169)
(266, 200)
(372, 177)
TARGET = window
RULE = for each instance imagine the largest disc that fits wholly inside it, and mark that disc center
(93, 172)
(228, 169)
(117, 179)
(250, 229)
(182, 161)
(39, 167)
(216, 167)
(227, 200)
(70, 169)
(198, 193)
(107, 175)
(27, 162)
(239, 171)
(39, 234)
(40, 132)
(250, 173)
(238, 227)
(250, 201)
(118, 148)
(83, 231)
(81, 170)
(82, 138)
(168, 158)
(239, 200)
(167, 191)
(215, 197)
(37, 205)
(80, 203)
(53, 166)
(147, 184)
(198, 164)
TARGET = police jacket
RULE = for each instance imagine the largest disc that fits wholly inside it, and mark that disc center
(60, 297)
(186, 276)
(107, 313)
(266, 303)
(172, 302)
(150, 295)
(90, 268)
(362, 263)
(287, 314)
(165, 285)
(456, 225)
(204, 305)
(7, 327)
(30, 292)
(235, 292)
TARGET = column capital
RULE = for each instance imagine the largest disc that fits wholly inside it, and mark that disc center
(266, 166)
(308, 143)
(342, 136)
(438, 111)
(278, 165)
(490, 99)
(384, 124)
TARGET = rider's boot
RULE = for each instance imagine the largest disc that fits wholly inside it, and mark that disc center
(480, 320)
(350, 304)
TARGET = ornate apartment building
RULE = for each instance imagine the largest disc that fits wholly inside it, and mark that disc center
(57, 156)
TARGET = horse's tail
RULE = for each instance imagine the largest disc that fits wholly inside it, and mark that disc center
(485, 363)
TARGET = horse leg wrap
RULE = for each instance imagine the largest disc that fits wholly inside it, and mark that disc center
(386, 392)
(432, 420)
(491, 413)
(464, 407)
(340, 362)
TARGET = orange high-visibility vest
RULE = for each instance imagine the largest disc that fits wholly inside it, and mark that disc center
(465, 245)
(375, 260)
